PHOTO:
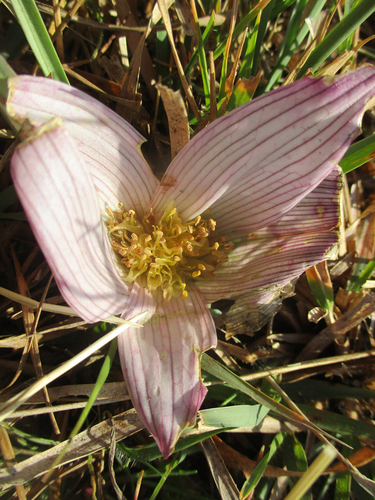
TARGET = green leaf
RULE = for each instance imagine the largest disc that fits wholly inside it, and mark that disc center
(358, 154)
(39, 40)
(234, 416)
(243, 92)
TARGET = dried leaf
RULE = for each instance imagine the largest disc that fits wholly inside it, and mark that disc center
(177, 118)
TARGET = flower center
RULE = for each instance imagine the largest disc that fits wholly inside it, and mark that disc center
(166, 252)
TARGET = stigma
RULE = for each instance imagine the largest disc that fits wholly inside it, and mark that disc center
(165, 252)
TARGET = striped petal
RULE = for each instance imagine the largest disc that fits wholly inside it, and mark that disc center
(161, 361)
(60, 202)
(255, 164)
(109, 145)
(275, 255)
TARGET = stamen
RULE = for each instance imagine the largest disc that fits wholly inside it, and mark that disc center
(162, 253)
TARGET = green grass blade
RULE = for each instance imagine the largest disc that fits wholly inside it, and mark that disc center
(358, 154)
(234, 416)
(248, 58)
(339, 33)
(357, 282)
(293, 40)
(151, 452)
(262, 30)
(6, 72)
(38, 38)
(102, 377)
(295, 459)
(257, 473)
(280, 6)
(195, 54)
(321, 289)
(223, 373)
(169, 468)
(241, 25)
(338, 424)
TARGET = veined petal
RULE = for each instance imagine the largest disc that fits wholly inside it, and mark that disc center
(110, 146)
(276, 254)
(267, 262)
(161, 361)
(256, 163)
(319, 211)
(62, 207)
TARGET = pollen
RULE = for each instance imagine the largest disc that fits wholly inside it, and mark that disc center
(165, 252)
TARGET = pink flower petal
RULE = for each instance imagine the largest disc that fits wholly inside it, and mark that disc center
(274, 255)
(62, 207)
(256, 163)
(110, 146)
(266, 263)
(161, 361)
(319, 211)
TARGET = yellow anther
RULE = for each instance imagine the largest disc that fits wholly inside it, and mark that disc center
(162, 252)
(109, 212)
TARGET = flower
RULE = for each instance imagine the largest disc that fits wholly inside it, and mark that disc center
(246, 206)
